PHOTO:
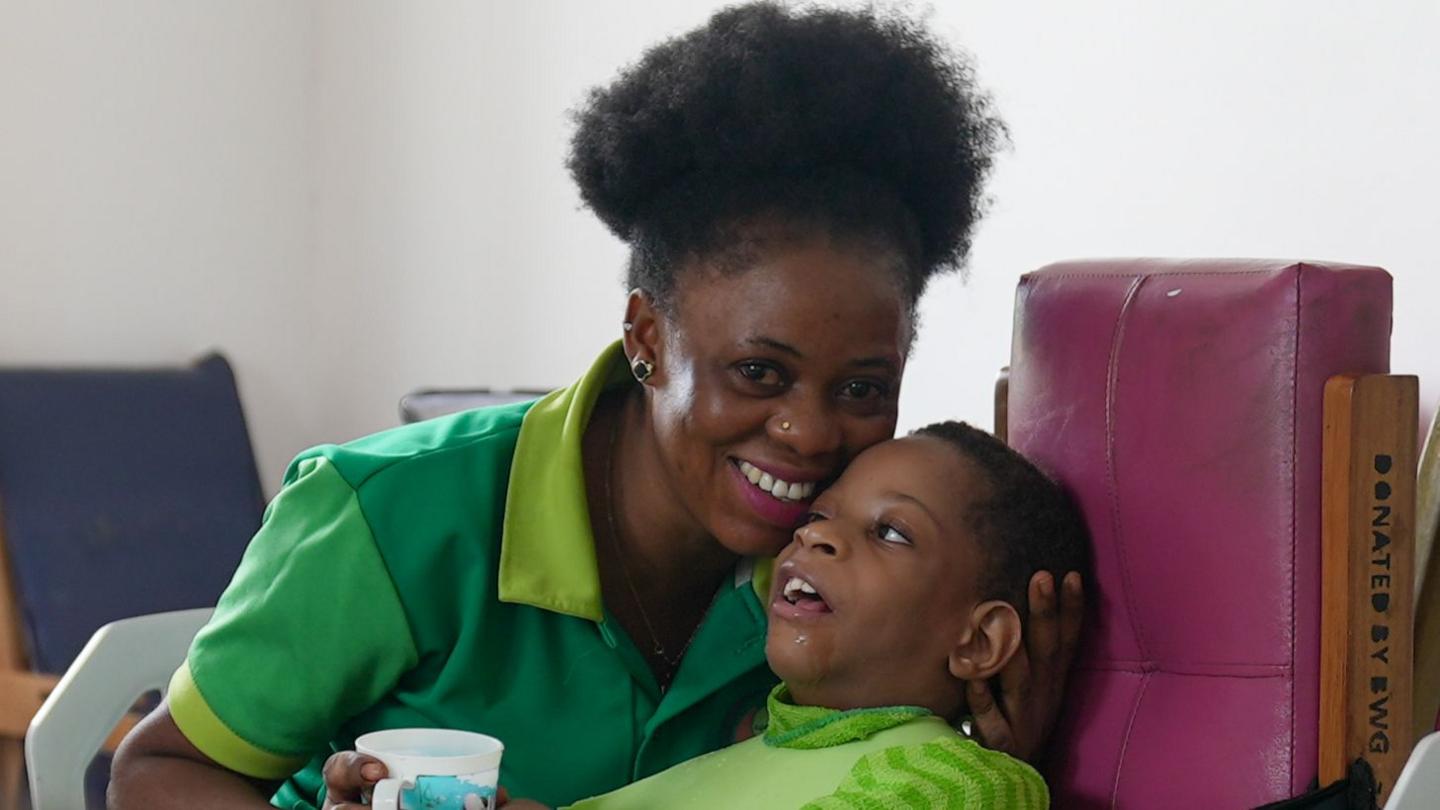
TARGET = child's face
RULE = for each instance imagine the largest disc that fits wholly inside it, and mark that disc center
(895, 574)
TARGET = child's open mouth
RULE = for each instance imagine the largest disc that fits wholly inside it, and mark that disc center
(803, 596)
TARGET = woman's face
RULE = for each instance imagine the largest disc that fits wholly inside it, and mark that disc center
(769, 380)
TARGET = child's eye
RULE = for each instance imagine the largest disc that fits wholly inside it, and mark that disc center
(890, 534)
(811, 518)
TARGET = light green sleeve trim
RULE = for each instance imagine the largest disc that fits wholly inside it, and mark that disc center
(200, 725)
(309, 633)
(952, 773)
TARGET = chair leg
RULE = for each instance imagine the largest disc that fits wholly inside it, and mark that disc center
(12, 773)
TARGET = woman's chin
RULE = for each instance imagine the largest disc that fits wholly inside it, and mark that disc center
(753, 541)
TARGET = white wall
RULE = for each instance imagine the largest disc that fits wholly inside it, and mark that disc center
(154, 197)
(450, 229)
(407, 220)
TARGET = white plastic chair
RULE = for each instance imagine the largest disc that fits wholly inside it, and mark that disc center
(1418, 787)
(123, 660)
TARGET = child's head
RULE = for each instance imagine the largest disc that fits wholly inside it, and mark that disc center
(912, 572)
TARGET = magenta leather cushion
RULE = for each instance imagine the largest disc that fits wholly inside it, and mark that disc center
(1180, 402)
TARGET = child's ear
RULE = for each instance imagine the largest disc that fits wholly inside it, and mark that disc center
(989, 642)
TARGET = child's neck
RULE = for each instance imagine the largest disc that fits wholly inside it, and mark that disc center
(946, 704)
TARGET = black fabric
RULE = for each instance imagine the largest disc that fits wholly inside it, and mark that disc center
(1355, 792)
(122, 493)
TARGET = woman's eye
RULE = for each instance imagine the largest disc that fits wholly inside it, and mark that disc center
(890, 534)
(759, 373)
(863, 389)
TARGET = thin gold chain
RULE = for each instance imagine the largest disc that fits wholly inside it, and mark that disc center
(671, 664)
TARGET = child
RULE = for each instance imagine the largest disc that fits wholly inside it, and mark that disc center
(907, 580)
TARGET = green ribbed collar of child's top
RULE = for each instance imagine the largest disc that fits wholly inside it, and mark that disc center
(791, 726)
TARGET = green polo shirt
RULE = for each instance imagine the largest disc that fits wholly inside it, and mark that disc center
(443, 574)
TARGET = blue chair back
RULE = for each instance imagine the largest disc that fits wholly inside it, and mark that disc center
(122, 493)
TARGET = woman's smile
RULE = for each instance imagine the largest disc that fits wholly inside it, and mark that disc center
(789, 488)
(781, 512)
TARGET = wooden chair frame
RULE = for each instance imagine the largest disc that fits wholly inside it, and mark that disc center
(23, 691)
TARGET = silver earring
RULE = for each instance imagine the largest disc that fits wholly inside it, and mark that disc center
(784, 425)
(627, 326)
(642, 369)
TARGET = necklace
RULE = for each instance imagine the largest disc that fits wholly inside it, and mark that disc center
(671, 664)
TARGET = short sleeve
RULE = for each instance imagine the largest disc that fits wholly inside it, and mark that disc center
(947, 774)
(309, 633)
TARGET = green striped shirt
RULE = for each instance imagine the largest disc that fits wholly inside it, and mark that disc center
(815, 758)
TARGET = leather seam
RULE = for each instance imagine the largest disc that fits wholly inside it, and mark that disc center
(1177, 274)
(1294, 496)
(1125, 743)
(1112, 384)
(1277, 673)
(1162, 666)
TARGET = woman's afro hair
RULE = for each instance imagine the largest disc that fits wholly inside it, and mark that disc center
(852, 121)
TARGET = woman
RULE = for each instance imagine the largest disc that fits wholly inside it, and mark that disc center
(578, 577)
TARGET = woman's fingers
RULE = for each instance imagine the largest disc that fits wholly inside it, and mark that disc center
(990, 724)
(348, 778)
(1032, 684)
(1072, 615)
(1042, 641)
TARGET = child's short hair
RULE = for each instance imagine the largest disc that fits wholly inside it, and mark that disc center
(1024, 523)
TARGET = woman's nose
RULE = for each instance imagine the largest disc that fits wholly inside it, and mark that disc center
(811, 429)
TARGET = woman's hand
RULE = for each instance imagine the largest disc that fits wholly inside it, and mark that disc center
(349, 778)
(1032, 685)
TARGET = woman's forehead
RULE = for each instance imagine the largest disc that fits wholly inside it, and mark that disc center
(806, 295)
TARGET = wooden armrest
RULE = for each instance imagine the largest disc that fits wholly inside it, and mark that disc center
(1367, 575)
(21, 694)
(1002, 404)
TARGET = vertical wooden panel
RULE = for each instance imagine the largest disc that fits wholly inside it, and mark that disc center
(1367, 575)
(1002, 405)
(12, 659)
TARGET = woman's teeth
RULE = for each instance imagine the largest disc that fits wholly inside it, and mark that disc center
(784, 490)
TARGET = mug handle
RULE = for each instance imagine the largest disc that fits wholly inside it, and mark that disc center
(386, 795)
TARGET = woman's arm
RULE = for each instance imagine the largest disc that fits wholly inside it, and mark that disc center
(157, 767)
(246, 697)
(1032, 685)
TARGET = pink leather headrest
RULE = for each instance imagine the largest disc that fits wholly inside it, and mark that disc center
(1180, 401)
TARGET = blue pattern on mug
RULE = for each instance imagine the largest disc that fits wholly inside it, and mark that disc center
(448, 793)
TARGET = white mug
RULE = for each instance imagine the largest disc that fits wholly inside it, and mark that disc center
(434, 769)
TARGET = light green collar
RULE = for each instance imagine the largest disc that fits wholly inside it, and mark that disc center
(547, 549)
(808, 727)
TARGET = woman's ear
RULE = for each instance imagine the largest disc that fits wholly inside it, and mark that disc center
(990, 641)
(644, 327)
